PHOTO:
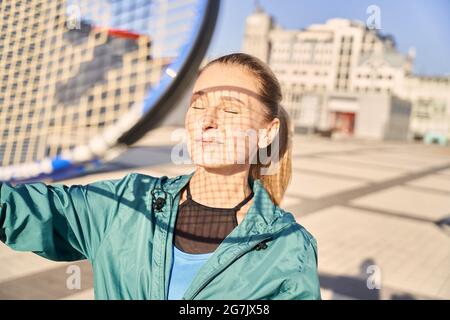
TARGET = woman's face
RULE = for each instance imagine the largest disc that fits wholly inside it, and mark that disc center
(225, 120)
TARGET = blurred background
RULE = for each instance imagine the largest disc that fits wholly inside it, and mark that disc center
(367, 85)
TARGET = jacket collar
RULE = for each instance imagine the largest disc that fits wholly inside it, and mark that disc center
(262, 217)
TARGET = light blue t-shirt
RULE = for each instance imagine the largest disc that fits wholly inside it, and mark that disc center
(185, 267)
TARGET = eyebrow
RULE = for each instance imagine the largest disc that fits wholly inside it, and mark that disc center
(222, 98)
(232, 99)
(201, 93)
(197, 94)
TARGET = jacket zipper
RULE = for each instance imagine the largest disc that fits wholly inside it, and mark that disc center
(212, 276)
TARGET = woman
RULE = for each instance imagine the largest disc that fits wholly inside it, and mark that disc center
(217, 233)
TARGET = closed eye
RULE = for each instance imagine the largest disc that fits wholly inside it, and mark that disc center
(231, 111)
(230, 107)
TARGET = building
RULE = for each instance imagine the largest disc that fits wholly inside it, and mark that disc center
(328, 71)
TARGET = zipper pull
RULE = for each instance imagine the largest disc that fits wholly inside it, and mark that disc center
(262, 245)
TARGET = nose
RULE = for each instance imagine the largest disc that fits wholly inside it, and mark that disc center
(209, 119)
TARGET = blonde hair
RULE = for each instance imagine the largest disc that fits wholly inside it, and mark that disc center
(270, 93)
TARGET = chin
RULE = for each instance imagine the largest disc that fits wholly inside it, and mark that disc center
(214, 165)
(213, 162)
(218, 165)
(222, 168)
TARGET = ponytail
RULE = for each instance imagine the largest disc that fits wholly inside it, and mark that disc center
(276, 175)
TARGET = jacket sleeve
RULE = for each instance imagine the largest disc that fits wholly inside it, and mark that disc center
(304, 284)
(58, 222)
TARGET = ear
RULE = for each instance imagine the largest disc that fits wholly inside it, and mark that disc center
(269, 133)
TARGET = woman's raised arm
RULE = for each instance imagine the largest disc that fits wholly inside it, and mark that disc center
(58, 222)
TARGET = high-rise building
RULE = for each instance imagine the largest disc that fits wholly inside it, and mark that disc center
(256, 37)
(327, 71)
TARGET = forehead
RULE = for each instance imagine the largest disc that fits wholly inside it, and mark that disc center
(234, 93)
(220, 75)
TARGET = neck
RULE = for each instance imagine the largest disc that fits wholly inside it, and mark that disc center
(220, 187)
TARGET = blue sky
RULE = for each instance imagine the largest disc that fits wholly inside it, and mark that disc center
(422, 24)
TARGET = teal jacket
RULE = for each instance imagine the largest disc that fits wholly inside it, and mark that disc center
(116, 225)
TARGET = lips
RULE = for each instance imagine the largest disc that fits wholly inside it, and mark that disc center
(209, 141)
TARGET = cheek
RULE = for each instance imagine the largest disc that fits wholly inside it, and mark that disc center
(192, 124)
(244, 129)
(243, 121)
(188, 119)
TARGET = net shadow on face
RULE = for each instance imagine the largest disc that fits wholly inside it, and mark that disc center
(224, 125)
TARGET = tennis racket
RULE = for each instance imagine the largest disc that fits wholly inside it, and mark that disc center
(83, 79)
